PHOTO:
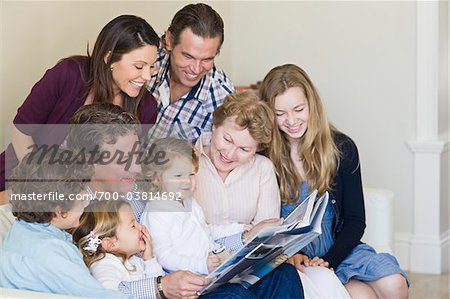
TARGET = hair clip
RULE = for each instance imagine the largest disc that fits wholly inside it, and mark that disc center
(93, 242)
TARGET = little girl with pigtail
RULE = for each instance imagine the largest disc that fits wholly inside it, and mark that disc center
(115, 247)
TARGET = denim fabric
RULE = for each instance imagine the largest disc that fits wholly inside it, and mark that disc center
(283, 282)
(363, 263)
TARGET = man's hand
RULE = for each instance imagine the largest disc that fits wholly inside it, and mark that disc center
(183, 284)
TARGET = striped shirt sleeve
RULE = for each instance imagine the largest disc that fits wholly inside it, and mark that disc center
(141, 289)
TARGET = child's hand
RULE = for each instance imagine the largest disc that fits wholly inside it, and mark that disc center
(147, 254)
(299, 261)
(224, 255)
(212, 262)
(262, 224)
(248, 227)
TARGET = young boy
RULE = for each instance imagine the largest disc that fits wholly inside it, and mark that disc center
(38, 254)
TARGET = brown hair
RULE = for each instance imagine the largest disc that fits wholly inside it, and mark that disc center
(42, 175)
(96, 124)
(201, 18)
(317, 151)
(250, 113)
(173, 148)
(120, 36)
(101, 218)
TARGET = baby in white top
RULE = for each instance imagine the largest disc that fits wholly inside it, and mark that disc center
(181, 237)
(114, 246)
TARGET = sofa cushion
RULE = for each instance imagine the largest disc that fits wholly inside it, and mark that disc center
(6, 220)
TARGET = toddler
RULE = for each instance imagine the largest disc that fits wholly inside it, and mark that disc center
(182, 238)
(115, 247)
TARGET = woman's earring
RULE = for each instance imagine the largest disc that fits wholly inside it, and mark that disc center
(111, 68)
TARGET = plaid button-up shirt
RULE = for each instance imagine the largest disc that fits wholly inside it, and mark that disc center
(191, 115)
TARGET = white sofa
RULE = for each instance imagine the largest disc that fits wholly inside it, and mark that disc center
(6, 220)
(15, 294)
(379, 232)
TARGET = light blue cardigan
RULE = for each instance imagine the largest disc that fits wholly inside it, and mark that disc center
(41, 257)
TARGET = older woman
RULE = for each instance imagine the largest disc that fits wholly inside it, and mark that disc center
(117, 72)
(235, 184)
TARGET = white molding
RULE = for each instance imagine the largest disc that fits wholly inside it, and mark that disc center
(436, 240)
(446, 251)
(402, 246)
(434, 248)
(426, 240)
(428, 146)
(446, 261)
(417, 253)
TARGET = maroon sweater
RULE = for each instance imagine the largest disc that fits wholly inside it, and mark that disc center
(53, 100)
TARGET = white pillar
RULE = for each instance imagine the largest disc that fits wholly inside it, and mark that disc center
(427, 69)
(429, 242)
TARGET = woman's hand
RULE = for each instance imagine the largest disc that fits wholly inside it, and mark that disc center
(262, 224)
(317, 261)
(298, 260)
(147, 254)
(212, 262)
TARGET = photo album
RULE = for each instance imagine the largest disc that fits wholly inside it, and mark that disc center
(272, 246)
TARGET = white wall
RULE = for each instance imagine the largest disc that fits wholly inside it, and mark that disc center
(360, 54)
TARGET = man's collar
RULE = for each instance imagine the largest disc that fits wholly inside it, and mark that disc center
(163, 62)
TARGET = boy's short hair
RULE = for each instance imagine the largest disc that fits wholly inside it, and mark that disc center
(52, 177)
(99, 123)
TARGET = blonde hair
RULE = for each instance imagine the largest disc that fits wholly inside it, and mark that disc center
(101, 218)
(250, 113)
(317, 151)
(173, 148)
